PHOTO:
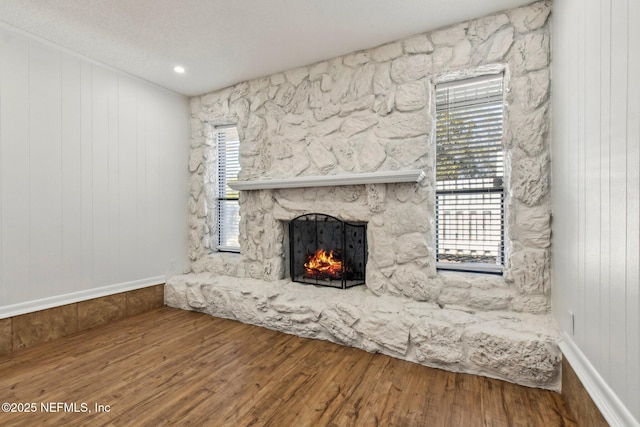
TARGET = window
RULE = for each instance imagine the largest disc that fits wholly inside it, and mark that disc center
(228, 209)
(469, 175)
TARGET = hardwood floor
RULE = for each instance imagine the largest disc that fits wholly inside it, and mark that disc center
(173, 367)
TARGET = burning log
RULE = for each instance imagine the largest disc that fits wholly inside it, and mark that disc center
(323, 264)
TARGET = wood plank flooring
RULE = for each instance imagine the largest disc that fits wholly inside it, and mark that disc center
(173, 367)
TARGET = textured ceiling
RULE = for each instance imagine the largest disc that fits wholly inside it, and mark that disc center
(222, 42)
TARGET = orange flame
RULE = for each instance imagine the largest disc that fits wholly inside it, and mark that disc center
(323, 264)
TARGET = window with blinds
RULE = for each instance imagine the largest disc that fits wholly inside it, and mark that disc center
(469, 175)
(228, 209)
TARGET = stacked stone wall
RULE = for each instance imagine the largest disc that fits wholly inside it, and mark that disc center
(373, 110)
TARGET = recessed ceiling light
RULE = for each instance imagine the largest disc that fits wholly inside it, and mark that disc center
(178, 69)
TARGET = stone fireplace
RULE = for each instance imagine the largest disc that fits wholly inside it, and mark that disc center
(326, 251)
(345, 137)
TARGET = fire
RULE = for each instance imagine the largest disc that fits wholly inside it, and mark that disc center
(324, 265)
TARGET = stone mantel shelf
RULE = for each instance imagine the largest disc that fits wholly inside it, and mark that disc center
(386, 177)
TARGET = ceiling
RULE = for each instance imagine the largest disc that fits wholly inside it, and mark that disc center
(222, 42)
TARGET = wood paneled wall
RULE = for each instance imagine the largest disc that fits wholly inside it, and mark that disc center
(596, 159)
(93, 176)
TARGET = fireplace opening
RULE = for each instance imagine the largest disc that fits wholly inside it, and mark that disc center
(327, 251)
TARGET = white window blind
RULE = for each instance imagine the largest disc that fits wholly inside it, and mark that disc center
(469, 175)
(228, 209)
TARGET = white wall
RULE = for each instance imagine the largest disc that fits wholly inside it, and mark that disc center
(93, 178)
(596, 157)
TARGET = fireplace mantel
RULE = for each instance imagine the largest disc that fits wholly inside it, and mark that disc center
(386, 177)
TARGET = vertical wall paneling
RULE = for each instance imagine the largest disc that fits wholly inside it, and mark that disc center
(591, 189)
(14, 137)
(173, 162)
(161, 185)
(605, 207)
(572, 165)
(619, 32)
(633, 202)
(560, 70)
(596, 197)
(71, 139)
(100, 176)
(141, 182)
(113, 178)
(580, 164)
(127, 174)
(45, 168)
(153, 190)
(86, 171)
(93, 178)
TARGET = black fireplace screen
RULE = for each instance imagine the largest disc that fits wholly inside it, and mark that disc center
(327, 251)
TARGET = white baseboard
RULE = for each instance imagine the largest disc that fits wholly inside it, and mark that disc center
(73, 297)
(612, 409)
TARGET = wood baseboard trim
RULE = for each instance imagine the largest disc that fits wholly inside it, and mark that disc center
(40, 326)
(598, 398)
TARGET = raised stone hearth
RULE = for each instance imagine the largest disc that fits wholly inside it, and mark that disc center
(516, 347)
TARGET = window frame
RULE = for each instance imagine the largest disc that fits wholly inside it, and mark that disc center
(223, 193)
(484, 188)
